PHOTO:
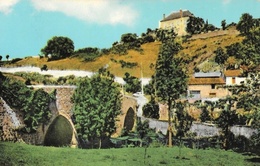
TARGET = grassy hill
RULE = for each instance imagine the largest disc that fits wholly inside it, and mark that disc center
(197, 51)
(22, 154)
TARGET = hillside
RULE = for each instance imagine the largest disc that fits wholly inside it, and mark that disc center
(197, 51)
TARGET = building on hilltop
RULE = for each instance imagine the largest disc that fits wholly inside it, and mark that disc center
(177, 21)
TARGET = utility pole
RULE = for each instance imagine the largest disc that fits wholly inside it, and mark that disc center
(142, 85)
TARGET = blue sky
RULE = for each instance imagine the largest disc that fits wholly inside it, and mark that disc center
(27, 25)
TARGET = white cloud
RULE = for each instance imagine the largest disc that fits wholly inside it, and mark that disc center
(97, 11)
(6, 5)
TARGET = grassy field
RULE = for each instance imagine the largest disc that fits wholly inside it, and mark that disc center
(22, 154)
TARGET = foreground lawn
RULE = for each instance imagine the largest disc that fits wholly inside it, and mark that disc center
(22, 154)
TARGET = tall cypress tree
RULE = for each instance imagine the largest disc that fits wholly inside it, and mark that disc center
(170, 79)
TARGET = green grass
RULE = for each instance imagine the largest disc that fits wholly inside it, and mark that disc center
(22, 154)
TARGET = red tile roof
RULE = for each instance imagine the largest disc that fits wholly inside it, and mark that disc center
(205, 81)
(178, 14)
(233, 73)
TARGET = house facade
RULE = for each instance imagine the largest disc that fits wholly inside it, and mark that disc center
(177, 21)
(206, 86)
(234, 77)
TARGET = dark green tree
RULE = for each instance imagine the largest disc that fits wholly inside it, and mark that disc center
(183, 122)
(151, 109)
(207, 108)
(7, 57)
(221, 56)
(58, 47)
(1, 57)
(133, 84)
(223, 24)
(170, 79)
(195, 25)
(245, 23)
(37, 110)
(227, 119)
(97, 103)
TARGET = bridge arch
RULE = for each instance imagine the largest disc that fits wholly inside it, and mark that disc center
(61, 132)
(129, 120)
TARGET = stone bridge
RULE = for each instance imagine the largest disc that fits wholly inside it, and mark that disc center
(63, 108)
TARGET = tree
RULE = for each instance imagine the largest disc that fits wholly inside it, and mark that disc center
(170, 79)
(221, 56)
(1, 57)
(195, 25)
(58, 47)
(223, 24)
(183, 121)
(37, 110)
(97, 103)
(245, 23)
(227, 118)
(7, 57)
(151, 109)
(133, 84)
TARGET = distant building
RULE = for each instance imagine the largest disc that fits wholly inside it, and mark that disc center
(177, 21)
(206, 86)
(234, 77)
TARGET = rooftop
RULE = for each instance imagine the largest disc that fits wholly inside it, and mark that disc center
(177, 14)
(207, 75)
(233, 73)
(206, 81)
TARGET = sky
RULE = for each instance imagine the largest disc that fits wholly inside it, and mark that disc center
(27, 25)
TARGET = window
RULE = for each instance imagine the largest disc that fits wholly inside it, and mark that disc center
(233, 80)
(213, 86)
(212, 94)
(195, 94)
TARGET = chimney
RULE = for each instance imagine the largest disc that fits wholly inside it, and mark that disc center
(181, 13)
(163, 16)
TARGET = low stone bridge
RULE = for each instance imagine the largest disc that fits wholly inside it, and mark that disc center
(63, 107)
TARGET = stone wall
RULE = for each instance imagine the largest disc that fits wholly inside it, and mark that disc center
(8, 127)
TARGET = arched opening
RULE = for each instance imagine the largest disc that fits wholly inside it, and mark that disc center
(129, 119)
(59, 133)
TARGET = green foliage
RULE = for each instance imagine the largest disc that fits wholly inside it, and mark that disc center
(36, 110)
(127, 64)
(58, 47)
(245, 23)
(133, 84)
(195, 25)
(33, 104)
(44, 67)
(223, 24)
(170, 80)
(207, 111)
(7, 57)
(97, 103)
(88, 54)
(34, 77)
(151, 110)
(221, 56)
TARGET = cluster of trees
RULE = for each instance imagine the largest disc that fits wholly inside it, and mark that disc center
(245, 53)
(133, 84)
(33, 104)
(97, 103)
(196, 25)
